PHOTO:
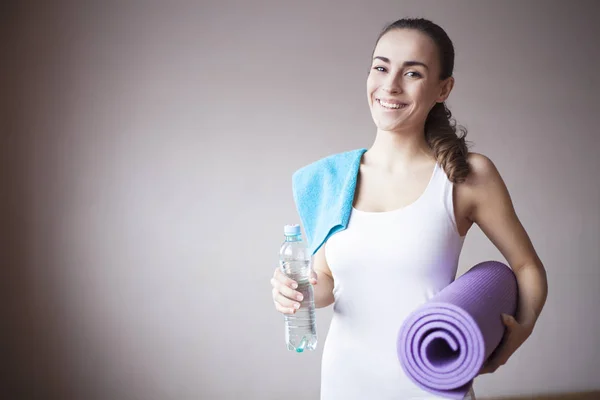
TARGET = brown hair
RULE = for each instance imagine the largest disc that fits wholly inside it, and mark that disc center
(449, 146)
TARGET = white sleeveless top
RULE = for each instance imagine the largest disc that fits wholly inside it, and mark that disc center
(384, 265)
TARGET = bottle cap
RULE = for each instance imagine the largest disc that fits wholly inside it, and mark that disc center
(291, 230)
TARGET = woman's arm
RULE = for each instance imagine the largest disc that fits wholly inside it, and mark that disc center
(494, 213)
(492, 210)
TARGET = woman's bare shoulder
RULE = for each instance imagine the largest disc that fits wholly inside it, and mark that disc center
(482, 170)
(483, 180)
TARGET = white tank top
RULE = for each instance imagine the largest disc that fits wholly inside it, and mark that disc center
(384, 265)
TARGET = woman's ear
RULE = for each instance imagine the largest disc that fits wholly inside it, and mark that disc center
(446, 88)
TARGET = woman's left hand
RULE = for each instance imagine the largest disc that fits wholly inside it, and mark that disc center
(513, 338)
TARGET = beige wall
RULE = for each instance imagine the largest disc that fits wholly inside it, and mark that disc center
(146, 163)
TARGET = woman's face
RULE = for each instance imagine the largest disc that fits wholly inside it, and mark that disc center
(403, 83)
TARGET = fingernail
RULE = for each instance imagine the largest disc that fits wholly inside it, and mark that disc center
(299, 297)
(296, 305)
(294, 285)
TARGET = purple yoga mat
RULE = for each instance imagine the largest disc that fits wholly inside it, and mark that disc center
(443, 344)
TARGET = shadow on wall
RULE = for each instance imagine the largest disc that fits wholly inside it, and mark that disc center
(32, 366)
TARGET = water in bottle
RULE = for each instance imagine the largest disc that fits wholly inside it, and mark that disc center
(294, 258)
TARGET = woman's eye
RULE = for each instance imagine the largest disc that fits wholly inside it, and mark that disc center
(380, 69)
(414, 74)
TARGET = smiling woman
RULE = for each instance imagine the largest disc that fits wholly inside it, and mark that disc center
(409, 202)
(421, 56)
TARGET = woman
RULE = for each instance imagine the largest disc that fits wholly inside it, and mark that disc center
(418, 191)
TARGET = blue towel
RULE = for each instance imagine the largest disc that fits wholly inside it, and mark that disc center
(324, 194)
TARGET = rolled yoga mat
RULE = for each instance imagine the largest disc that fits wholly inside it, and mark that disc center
(443, 344)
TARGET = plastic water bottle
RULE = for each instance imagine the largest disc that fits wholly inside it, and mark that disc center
(294, 260)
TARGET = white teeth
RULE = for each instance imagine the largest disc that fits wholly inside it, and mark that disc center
(390, 105)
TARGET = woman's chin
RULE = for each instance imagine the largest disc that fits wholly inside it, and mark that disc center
(386, 125)
(389, 124)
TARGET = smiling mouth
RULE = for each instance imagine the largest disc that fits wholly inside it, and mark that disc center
(391, 105)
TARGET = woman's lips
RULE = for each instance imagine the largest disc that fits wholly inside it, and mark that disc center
(391, 104)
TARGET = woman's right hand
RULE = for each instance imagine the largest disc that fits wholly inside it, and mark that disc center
(287, 300)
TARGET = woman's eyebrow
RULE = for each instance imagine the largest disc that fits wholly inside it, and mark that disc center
(411, 63)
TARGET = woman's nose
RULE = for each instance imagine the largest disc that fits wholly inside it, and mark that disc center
(392, 86)
(392, 89)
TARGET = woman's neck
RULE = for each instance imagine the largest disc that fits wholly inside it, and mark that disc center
(394, 151)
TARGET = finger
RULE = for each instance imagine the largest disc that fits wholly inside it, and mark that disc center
(487, 370)
(285, 291)
(489, 366)
(284, 310)
(283, 304)
(286, 286)
(284, 279)
(509, 321)
(495, 362)
(284, 300)
(492, 368)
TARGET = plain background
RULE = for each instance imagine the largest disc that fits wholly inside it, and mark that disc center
(147, 153)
